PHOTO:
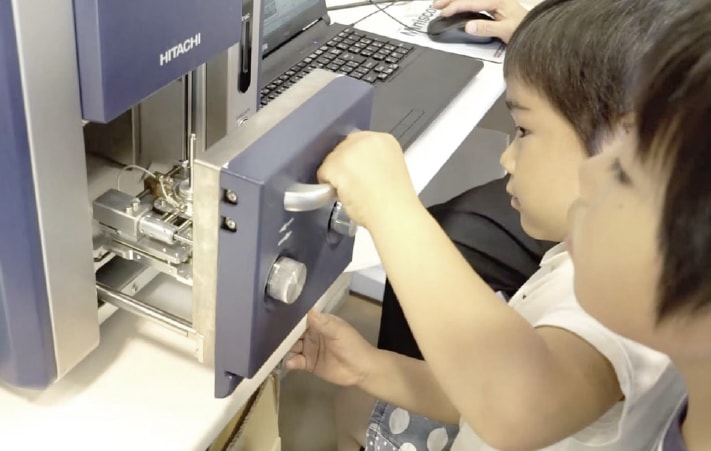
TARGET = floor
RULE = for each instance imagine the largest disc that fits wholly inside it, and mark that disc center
(306, 411)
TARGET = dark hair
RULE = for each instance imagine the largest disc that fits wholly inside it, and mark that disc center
(583, 56)
(674, 127)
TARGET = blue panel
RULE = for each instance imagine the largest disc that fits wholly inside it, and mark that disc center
(26, 348)
(249, 324)
(128, 49)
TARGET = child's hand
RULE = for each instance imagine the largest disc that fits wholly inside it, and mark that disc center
(333, 350)
(369, 174)
(508, 15)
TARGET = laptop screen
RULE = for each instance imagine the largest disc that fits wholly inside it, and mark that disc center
(283, 19)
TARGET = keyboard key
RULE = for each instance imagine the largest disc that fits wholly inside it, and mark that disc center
(277, 82)
(343, 46)
(397, 55)
(383, 76)
(333, 67)
(338, 39)
(264, 92)
(334, 52)
(357, 75)
(404, 46)
(358, 34)
(369, 64)
(323, 48)
(365, 41)
(290, 73)
(271, 86)
(331, 43)
(272, 96)
(314, 55)
(346, 69)
(379, 68)
(352, 64)
(370, 78)
(379, 57)
(280, 89)
(339, 61)
(362, 70)
(391, 60)
(349, 41)
(342, 34)
(394, 67)
(389, 47)
(324, 60)
(372, 48)
(361, 45)
(367, 53)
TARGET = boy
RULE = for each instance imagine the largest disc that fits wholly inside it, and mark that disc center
(641, 230)
(534, 375)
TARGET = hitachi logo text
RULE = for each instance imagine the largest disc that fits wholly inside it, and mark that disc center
(183, 47)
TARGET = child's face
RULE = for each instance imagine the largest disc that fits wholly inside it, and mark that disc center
(543, 162)
(613, 242)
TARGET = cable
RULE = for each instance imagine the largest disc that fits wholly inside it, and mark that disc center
(382, 10)
(368, 15)
(168, 197)
(366, 3)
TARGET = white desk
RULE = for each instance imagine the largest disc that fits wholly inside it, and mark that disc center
(142, 389)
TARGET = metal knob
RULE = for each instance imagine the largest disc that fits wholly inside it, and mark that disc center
(286, 280)
(341, 223)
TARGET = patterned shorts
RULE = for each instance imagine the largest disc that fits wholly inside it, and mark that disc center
(394, 429)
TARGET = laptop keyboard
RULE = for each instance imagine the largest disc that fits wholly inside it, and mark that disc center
(355, 53)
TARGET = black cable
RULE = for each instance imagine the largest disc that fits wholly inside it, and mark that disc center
(407, 27)
(380, 9)
(366, 3)
(368, 15)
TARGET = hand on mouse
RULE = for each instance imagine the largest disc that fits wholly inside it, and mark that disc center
(371, 179)
(508, 14)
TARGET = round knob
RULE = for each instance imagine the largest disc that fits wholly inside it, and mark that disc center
(340, 222)
(286, 280)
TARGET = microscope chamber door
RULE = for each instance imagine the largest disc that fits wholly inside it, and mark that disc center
(269, 240)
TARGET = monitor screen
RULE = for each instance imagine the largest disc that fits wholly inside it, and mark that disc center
(283, 19)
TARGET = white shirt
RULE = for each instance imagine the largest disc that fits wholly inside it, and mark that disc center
(651, 386)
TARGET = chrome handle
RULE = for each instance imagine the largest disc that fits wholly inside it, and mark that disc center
(305, 197)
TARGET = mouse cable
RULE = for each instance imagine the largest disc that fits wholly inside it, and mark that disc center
(368, 15)
(367, 2)
(382, 10)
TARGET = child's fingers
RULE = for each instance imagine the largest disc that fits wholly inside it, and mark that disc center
(296, 362)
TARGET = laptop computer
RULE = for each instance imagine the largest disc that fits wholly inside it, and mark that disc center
(413, 84)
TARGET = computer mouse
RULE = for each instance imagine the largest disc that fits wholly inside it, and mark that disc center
(451, 29)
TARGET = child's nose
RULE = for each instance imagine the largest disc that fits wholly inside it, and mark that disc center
(507, 159)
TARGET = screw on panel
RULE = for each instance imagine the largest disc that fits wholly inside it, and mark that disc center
(230, 224)
(231, 197)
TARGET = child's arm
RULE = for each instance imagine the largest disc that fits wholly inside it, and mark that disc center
(336, 352)
(516, 386)
(410, 384)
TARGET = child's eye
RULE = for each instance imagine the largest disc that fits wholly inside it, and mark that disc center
(620, 173)
(521, 132)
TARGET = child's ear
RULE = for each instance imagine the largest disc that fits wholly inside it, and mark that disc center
(628, 122)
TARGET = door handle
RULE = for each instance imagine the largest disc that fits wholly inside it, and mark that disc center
(308, 197)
